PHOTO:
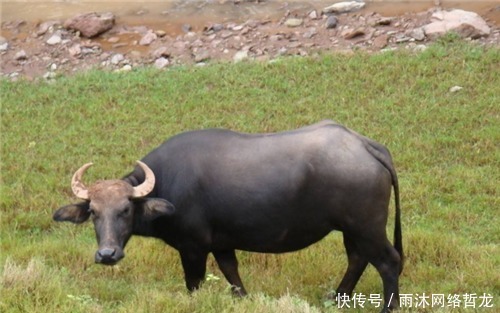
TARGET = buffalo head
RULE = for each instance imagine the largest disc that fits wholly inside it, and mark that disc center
(117, 210)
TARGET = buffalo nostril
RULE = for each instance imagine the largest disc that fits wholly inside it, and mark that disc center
(106, 252)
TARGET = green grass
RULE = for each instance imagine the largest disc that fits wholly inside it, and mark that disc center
(445, 146)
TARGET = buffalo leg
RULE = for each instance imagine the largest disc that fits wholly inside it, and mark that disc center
(194, 265)
(228, 264)
(356, 266)
(381, 254)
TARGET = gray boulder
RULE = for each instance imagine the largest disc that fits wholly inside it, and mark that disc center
(91, 24)
(343, 7)
(466, 24)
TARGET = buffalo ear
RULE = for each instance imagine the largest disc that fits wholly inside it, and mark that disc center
(75, 213)
(151, 208)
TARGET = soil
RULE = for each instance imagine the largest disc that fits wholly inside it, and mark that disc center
(253, 32)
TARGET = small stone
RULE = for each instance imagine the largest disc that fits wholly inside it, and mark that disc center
(294, 22)
(384, 21)
(20, 55)
(310, 33)
(331, 22)
(126, 68)
(313, 15)
(148, 39)
(420, 48)
(161, 52)
(343, 7)
(113, 39)
(45, 26)
(160, 33)
(417, 34)
(161, 63)
(50, 75)
(75, 50)
(275, 38)
(456, 88)
(237, 28)
(350, 34)
(54, 40)
(53, 67)
(4, 46)
(201, 55)
(240, 56)
(226, 34)
(117, 58)
(380, 42)
(186, 28)
(217, 27)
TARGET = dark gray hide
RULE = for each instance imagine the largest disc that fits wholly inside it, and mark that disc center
(268, 193)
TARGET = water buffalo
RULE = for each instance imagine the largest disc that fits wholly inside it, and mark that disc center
(217, 191)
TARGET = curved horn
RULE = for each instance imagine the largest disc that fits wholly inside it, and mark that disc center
(148, 184)
(77, 185)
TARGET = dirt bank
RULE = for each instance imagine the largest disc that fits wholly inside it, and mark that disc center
(45, 48)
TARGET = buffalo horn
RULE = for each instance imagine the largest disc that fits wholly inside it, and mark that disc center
(148, 184)
(77, 185)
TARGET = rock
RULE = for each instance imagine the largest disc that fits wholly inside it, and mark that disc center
(113, 39)
(343, 7)
(213, 28)
(20, 55)
(125, 68)
(380, 42)
(50, 75)
(466, 24)
(313, 15)
(294, 22)
(45, 26)
(148, 39)
(226, 34)
(276, 37)
(91, 24)
(4, 45)
(331, 22)
(417, 34)
(400, 38)
(240, 56)
(237, 28)
(54, 40)
(186, 28)
(310, 33)
(53, 67)
(75, 50)
(117, 58)
(161, 52)
(160, 33)
(161, 63)
(384, 21)
(455, 89)
(201, 55)
(420, 48)
(353, 33)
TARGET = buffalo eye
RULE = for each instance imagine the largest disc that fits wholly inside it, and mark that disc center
(92, 212)
(125, 212)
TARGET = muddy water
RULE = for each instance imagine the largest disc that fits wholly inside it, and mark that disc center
(170, 15)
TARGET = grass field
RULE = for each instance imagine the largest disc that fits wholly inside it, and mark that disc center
(445, 146)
